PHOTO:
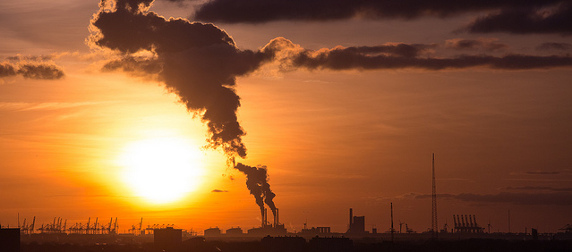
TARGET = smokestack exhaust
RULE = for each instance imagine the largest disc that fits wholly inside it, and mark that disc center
(265, 217)
(351, 218)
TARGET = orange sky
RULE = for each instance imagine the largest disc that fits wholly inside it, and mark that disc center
(331, 139)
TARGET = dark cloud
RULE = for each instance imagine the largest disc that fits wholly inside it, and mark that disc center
(258, 11)
(38, 70)
(7, 70)
(42, 71)
(340, 58)
(475, 44)
(554, 198)
(396, 49)
(30, 58)
(549, 46)
(219, 191)
(527, 20)
(198, 62)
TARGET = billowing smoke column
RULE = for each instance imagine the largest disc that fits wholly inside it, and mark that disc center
(198, 62)
(257, 183)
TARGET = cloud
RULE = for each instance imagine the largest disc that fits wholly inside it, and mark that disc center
(41, 71)
(35, 70)
(552, 198)
(31, 58)
(527, 20)
(7, 70)
(219, 191)
(347, 58)
(259, 11)
(198, 62)
(549, 46)
(489, 45)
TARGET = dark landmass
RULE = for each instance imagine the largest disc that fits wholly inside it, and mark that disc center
(294, 244)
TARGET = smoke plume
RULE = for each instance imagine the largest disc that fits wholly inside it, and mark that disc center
(198, 62)
(257, 183)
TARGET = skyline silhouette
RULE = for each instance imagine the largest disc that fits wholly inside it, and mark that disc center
(159, 109)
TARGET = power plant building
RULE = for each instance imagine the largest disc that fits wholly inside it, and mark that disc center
(357, 224)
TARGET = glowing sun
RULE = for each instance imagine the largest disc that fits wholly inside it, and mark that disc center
(162, 170)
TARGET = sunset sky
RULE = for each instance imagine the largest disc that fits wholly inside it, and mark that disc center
(108, 110)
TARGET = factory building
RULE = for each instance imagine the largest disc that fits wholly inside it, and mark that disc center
(357, 224)
(269, 229)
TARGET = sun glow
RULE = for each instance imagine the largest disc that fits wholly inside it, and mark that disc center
(162, 170)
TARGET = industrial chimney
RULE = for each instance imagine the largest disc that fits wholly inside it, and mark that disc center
(265, 217)
(276, 219)
(351, 219)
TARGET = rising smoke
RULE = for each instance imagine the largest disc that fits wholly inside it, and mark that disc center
(257, 183)
(198, 62)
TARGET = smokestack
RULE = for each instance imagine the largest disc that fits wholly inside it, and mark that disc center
(265, 217)
(351, 218)
(277, 218)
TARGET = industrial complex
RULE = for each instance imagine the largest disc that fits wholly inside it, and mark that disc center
(269, 236)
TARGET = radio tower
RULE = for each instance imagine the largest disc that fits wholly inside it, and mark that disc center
(434, 225)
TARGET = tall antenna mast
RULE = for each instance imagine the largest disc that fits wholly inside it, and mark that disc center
(434, 225)
(392, 230)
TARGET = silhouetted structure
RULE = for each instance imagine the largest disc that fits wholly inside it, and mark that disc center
(434, 225)
(466, 224)
(168, 239)
(268, 229)
(10, 239)
(315, 231)
(212, 232)
(357, 224)
(234, 231)
(567, 229)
